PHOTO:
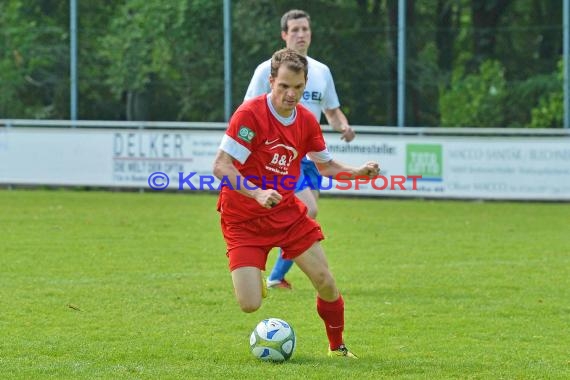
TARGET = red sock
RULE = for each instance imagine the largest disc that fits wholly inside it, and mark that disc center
(332, 313)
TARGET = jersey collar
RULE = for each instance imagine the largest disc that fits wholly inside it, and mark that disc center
(286, 121)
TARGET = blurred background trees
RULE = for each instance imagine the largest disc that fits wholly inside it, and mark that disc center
(476, 63)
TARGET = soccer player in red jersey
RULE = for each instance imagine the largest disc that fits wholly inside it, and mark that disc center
(258, 163)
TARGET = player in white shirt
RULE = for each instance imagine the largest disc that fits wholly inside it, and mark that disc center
(319, 96)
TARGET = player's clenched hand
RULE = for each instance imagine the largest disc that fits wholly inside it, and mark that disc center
(370, 169)
(268, 198)
(347, 134)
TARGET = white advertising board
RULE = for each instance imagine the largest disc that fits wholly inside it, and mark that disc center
(89, 157)
(525, 168)
(521, 168)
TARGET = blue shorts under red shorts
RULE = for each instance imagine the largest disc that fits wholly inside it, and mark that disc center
(310, 176)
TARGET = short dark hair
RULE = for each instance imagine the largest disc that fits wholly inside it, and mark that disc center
(293, 14)
(291, 59)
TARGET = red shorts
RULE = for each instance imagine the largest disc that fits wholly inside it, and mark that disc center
(249, 242)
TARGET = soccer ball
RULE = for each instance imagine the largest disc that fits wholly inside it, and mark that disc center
(272, 339)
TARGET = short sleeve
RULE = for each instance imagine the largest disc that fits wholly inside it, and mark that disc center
(259, 83)
(240, 137)
(316, 141)
(330, 100)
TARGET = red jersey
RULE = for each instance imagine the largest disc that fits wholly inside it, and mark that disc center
(268, 153)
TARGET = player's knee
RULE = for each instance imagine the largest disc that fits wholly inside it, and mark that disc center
(249, 303)
(249, 307)
(325, 282)
(312, 211)
(329, 284)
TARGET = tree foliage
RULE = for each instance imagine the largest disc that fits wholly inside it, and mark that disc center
(475, 99)
(549, 111)
(469, 63)
(33, 61)
(169, 62)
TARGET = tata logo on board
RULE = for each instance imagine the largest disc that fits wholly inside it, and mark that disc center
(425, 160)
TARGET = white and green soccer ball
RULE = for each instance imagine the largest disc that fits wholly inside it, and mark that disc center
(273, 339)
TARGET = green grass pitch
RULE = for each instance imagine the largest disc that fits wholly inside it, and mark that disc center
(129, 285)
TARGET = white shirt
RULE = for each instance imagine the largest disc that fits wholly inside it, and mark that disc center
(320, 93)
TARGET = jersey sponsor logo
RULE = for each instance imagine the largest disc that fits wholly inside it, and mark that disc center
(313, 96)
(281, 159)
(246, 134)
(267, 142)
(289, 148)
